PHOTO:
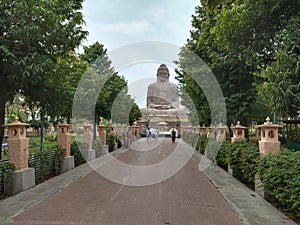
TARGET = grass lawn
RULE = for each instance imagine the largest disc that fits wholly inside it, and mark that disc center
(34, 144)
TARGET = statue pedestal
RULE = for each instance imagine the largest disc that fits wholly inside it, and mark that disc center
(67, 164)
(163, 112)
(169, 120)
(91, 155)
(23, 180)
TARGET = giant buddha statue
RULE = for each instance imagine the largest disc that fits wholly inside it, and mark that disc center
(162, 96)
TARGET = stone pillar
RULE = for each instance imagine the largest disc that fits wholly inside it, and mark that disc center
(51, 127)
(64, 137)
(203, 131)
(123, 133)
(268, 144)
(136, 131)
(127, 137)
(133, 130)
(18, 144)
(211, 132)
(102, 136)
(194, 131)
(64, 141)
(221, 133)
(238, 132)
(269, 138)
(88, 140)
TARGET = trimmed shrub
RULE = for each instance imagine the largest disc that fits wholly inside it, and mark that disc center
(46, 163)
(190, 138)
(222, 157)
(6, 177)
(212, 149)
(79, 157)
(119, 143)
(280, 174)
(244, 159)
(110, 140)
(201, 144)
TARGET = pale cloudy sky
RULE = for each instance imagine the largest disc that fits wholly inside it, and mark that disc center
(116, 23)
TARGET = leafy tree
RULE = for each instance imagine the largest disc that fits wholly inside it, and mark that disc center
(252, 48)
(33, 34)
(135, 114)
(249, 28)
(233, 74)
(114, 89)
(265, 34)
(281, 85)
(124, 109)
(55, 94)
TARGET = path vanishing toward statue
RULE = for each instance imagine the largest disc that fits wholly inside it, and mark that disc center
(187, 198)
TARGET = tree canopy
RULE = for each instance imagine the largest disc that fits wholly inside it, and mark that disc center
(252, 47)
(34, 35)
(114, 89)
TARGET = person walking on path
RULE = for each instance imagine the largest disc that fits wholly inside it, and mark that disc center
(148, 134)
(156, 134)
(173, 135)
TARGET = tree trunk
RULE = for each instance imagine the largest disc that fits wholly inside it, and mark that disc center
(2, 112)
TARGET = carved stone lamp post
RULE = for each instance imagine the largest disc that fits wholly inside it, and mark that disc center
(136, 130)
(64, 141)
(203, 131)
(268, 144)
(238, 132)
(221, 133)
(88, 140)
(18, 147)
(269, 138)
(102, 136)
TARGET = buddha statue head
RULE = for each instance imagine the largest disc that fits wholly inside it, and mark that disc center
(163, 73)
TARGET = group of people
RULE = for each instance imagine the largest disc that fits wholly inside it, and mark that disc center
(148, 134)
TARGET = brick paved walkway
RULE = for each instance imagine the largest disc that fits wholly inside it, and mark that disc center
(187, 198)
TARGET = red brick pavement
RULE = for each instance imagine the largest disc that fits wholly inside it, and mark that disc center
(187, 198)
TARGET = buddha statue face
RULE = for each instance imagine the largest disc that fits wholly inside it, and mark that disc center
(163, 73)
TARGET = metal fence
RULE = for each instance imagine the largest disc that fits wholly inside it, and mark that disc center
(44, 164)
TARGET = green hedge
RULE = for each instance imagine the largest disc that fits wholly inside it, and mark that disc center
(190, 138)
(212, 149)
(201, 144)
(79, 158)
(6, 171)
(46, 163)
(244, 158)
(110, 140)
(222, 157)
(280, 174)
